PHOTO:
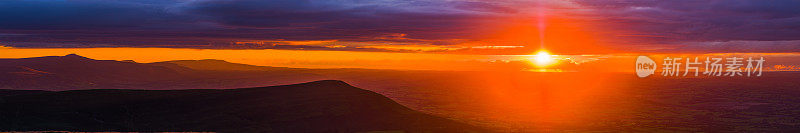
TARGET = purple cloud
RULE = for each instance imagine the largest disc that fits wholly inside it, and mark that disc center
(220, 23)
(685, 22)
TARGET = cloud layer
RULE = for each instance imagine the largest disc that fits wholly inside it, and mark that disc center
(406, 26)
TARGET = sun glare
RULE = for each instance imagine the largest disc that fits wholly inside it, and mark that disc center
(543, 59)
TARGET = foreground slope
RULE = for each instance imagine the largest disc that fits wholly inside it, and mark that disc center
(321, 106)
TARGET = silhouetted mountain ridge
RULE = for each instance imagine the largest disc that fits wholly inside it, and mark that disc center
(222, 65)
(320, 106)
(74, 71)
(71, 72)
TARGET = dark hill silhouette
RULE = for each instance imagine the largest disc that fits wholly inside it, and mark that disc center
(213, 64)
(73, 72)
(321, 106)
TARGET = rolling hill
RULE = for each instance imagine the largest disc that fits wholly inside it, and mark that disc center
(320, 106)
(75, 72)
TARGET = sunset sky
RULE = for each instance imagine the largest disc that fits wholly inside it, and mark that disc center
(400, 34)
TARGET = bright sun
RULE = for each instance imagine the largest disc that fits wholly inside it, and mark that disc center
(543, 59)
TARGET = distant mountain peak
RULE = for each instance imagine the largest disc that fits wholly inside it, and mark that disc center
(74, 56)
(216, 60)
(216, 64)
(330, 82)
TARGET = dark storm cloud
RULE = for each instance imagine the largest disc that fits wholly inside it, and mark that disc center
(347, 19)
(221, 23)
(82, 15)
(703, 20)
